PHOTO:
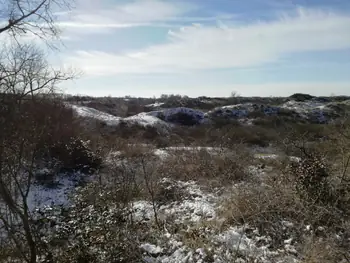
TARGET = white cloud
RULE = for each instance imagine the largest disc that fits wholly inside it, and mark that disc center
(235, 45)
(150, 10)
(136, 13)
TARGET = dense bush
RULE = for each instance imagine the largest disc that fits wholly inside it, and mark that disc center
(301, 97)
(183, 119)
(74, 155)
(312, 179)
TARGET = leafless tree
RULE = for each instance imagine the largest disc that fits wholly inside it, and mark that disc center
(36, 17)
(26, 82)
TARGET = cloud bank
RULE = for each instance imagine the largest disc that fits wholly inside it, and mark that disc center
(225, 45)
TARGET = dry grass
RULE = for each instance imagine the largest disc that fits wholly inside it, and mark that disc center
(268, 204)
(211, 168)
(323, 250)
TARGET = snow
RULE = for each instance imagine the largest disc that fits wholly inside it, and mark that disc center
(197, 206)
(153, 118)
(155, 105)
(167, 151)
(308, 109)
(272, 156)
(196, 148)
(304, 106)
(255, 170)
(266, 156)
(145, 120)
(231, 245)
(151, 249)
(88, 112)
(192, 210)
(234, 240)
(314, 111)
(142, 211)
(161, 153)
(142, 119)
(41, 196)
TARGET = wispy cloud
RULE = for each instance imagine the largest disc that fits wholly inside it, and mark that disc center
(134, 14)
(226, 46)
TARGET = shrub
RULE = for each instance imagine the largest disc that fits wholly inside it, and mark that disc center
(312, 179)
(220, 122)
(210, 167)
(301, 97)
(95, 229)
(75, 155)
(183, 119)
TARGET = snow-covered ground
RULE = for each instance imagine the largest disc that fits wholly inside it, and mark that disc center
(196, 213)
(142, 119)
(212, 245)
(313, 111)
(308, 109)
(164, 152)
(87, 112)
(196, 205)
(160, 118)
(41, 195)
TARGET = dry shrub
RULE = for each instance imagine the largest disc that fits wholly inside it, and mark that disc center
(324, 250)
(96, 229)
(266, 206)
(322, 175)
(249, 135)
(225, 133)
(312, 193)
(61, 136)
(132, 132)
(312, 179)
(100, 227)
(212, 167)
(168, 191)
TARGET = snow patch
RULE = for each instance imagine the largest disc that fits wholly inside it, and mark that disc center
(167, 151)
(87, 112)
(155, 105)
(151, 249)
(311, 110)
(142, 119)
(197, 205)
(41, 196)
(145, 120)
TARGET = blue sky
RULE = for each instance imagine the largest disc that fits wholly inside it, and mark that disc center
(207, 47)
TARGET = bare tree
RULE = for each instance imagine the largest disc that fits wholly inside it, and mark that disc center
(37, 17)
(26, 82)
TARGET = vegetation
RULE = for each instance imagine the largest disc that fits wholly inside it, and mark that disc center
(151, 195)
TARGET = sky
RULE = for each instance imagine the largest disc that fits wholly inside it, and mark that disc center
(206, 47)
